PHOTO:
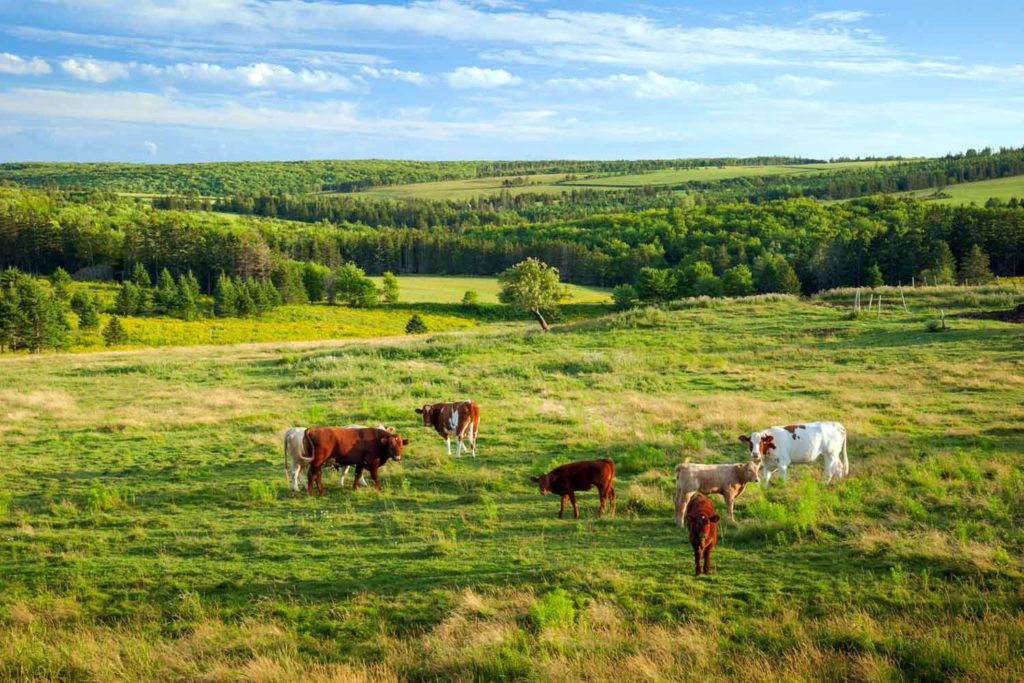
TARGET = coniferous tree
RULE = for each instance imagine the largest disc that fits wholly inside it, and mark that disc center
(86, 307)
(129, 299)
(974, 267)
(60, 281)
(389, 288)
(165, 298)
(140, 276)
(187, 297)
(114, 334)
(225, 297)
(244, 305)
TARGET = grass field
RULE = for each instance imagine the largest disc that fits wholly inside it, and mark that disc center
(979, 192)
(448, 289)
(434, 298)
(556, 183)
(146, 531)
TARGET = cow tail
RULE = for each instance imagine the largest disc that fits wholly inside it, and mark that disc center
(476, 423)
(846, 461)
(287, 462)
(307, 447)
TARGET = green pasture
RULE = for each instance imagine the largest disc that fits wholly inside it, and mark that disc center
(449, 289)
(979, 192)
(147, 531)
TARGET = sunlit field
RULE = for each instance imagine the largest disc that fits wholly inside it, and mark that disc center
(979, 192)
(450, 289)
(147, 530)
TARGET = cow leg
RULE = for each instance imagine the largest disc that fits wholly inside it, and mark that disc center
(696, 560)
(782, 472)
(448, 444)
(458, 447)
(707, 560)
(682, 510)
(344, 473)
(561, 510)
(575, 506)
(604, 501)
(373, 475)
(358, 477)
(613, 496)
(309, 481)
(729, 500)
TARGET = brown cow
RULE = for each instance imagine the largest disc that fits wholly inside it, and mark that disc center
(364, 447)
(584, 475)
(702, 522)
(459, 418)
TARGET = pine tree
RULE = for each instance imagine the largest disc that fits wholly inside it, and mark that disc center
(140, 276)
(114, 334)
(86, 307)
(165, 298)
(389, 288)
(974, 267)
(225, 298)
(60, 281)
(129, 299)
(416, 325)
(873, 276)
(187, 297)
(244, 305)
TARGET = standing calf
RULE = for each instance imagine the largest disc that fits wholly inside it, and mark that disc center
(729, 480)
(461, 418)
(702, 523)
(584, 475)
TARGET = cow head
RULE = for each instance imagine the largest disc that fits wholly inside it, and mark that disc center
(394, 443)
(427, 411)
(748, 472)
(699, 523)
(760, 445)
(543, 482)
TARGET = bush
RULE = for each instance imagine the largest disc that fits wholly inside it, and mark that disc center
(389, 288)
(554, 610)
(625, 296)
(639, 317)
(470, 299)
(415, 325)
(935, 325)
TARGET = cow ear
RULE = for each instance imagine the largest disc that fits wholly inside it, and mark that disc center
(744, 438)
(768, 437)
(405, 442)
(419, 411)
(715, 518)
(535, 479)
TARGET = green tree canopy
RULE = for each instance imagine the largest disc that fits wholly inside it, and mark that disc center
(531, 286)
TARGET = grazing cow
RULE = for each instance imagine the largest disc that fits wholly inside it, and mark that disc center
(295, 459)
(776, 448)
(364, 447)
(584, 475)
(729, 480)
(702, 523)
(461, 418)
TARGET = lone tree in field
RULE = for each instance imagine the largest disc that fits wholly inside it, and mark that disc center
(114, 333)
(416, 325)
(389, 288)
(531, 285)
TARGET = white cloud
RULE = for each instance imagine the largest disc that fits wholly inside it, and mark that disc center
(18, 66)
(258, 75)
(413, 77)
(151, 147)
(803, 85)
(844, 16)
(477, 77)
(94, 70)
(651, 86)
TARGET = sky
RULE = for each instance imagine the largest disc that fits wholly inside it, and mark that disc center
(162, 81)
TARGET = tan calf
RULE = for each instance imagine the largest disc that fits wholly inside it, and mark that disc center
(728, 480)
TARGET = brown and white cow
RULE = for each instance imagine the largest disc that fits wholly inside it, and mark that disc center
(566, 480)
(461, 418)
(776, 448)
(295, 458)
(365, 447)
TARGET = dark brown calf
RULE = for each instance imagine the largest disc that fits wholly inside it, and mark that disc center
(702, 523)
(364, 447)
(584, 475)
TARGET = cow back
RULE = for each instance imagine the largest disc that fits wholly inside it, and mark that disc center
(346, 445)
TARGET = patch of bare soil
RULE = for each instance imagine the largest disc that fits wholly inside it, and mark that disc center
(1014, 315)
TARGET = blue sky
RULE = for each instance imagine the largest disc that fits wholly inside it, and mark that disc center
(209, 80)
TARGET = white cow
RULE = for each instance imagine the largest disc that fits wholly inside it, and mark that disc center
(295, 458)
(776, 448)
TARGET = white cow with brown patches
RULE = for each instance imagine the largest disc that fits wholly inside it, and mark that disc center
(776, 448)
(461, 418)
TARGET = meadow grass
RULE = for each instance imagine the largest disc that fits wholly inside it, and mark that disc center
(150, 533)
(978, 192)
(448, 289)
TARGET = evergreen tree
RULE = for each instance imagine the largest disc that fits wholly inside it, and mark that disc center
(974, 267)
(30, 317)
(86, 307)
(225, 298)
(389, 288)
(129, 299)
(60, 281)
(415, 325)
(873, 276)
(140, 276)
(625, 296)
(313, 275)
(942, 266)
(114, 334)
(270, 293)
(165, 298)
(470, 299)
(187, 297)
(258, 295)
(244, 305)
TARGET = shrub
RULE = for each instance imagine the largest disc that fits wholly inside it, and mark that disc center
(470, 299)
(625, 296)
(415, 325)
(389, 288)
(935, 325)
(640, 317)
(553, 610)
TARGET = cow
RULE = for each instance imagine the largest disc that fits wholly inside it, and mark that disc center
(364, 447)
(461, 418)
(729, 480)
(702, 523)
(295, 459)
(776, 448)
(584, 475)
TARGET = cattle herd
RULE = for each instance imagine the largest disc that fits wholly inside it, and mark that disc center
(771, 450)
